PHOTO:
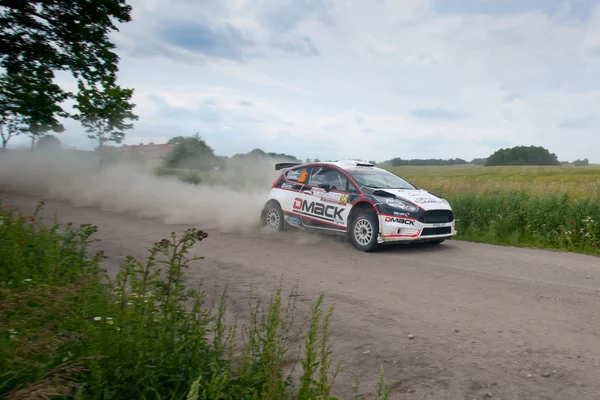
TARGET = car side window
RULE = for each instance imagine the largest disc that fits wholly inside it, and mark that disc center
(299, 175)
(331, 176)
(352, 188)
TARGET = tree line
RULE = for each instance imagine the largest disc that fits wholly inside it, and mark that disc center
(194, 153)
(39, 38)
(518, 155)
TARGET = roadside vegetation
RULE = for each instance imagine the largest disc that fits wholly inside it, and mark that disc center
(551, 207)
(67, 330)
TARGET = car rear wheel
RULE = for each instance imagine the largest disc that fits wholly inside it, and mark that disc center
(273, 216)
(364, 230)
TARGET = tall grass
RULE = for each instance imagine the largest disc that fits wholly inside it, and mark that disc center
(69, 331)
(524, 219)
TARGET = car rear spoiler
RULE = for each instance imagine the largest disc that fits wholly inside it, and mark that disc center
(285, 165)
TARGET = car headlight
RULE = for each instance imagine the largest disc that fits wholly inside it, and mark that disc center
(402, 205)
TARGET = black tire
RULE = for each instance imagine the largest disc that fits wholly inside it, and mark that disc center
(363, 231)
(273, 216)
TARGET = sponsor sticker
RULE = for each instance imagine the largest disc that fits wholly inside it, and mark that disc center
(427, 200)
(344, 199)
(395, 220)
(331, 197)
(286, 185)
(441, 225)
(294, 221)
(329, 213)
(293, 174)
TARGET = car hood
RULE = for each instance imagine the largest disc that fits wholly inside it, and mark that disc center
(420, 197)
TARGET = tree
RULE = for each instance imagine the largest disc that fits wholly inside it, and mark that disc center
(175, 140)
(105, 113)
(581, 163)
(479, 161)
(396, 162)
(523, 155)
(30, 103)
(191, 152)
(49, 142)
(46, 35)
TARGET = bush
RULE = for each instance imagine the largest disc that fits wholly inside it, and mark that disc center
(67, 329)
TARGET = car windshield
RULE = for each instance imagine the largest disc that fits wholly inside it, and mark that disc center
(379, 179)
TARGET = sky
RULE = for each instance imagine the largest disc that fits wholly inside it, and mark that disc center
(366, 79)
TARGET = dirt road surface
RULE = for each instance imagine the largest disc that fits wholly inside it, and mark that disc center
(488, 322)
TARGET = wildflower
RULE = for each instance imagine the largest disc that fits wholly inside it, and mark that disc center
(32, 219)
(561, 228)
(24, 219)
(97, 318)
(5, 207)
(594, 244)
(22, 242)
(26, 280)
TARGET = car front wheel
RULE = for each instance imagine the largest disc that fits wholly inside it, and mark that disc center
(364, 231)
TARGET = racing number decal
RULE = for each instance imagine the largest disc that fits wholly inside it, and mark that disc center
(303, 176)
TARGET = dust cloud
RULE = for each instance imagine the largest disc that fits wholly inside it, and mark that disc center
(230, 201)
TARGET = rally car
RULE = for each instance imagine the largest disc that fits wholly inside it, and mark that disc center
(369, 205)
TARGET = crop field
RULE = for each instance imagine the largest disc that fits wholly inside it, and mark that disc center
(543, 207)
(452, 180)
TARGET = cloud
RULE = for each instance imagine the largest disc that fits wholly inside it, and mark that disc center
(567, 11)
(283, 16)
(437, 114)
(225, 41)
(302, 46)
(363, 78)
(575, 123)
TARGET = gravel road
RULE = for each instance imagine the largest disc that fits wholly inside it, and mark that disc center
(488, 322)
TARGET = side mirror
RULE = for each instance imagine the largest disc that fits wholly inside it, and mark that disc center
(325, 186)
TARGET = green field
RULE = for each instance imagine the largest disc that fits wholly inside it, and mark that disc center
(543, 207)
(453, 180)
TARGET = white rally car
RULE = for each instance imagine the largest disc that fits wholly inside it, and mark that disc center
(369, 205)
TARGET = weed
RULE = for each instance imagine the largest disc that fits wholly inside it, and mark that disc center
(68, 330)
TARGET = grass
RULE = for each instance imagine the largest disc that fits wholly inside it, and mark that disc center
(542, 207)
(67, 330)
(453, 180)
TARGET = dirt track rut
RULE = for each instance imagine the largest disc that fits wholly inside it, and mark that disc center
(487, 321)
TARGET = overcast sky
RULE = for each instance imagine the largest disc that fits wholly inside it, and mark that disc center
(369, 79)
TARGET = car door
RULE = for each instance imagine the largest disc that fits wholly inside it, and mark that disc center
(321, 206)
(295, 180)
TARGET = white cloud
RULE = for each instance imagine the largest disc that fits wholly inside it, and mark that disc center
(363, 78)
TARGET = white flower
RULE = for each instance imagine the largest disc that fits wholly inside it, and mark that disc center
(97, 318)
(26, 280)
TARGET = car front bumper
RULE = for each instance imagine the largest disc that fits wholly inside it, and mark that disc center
(403, 229)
